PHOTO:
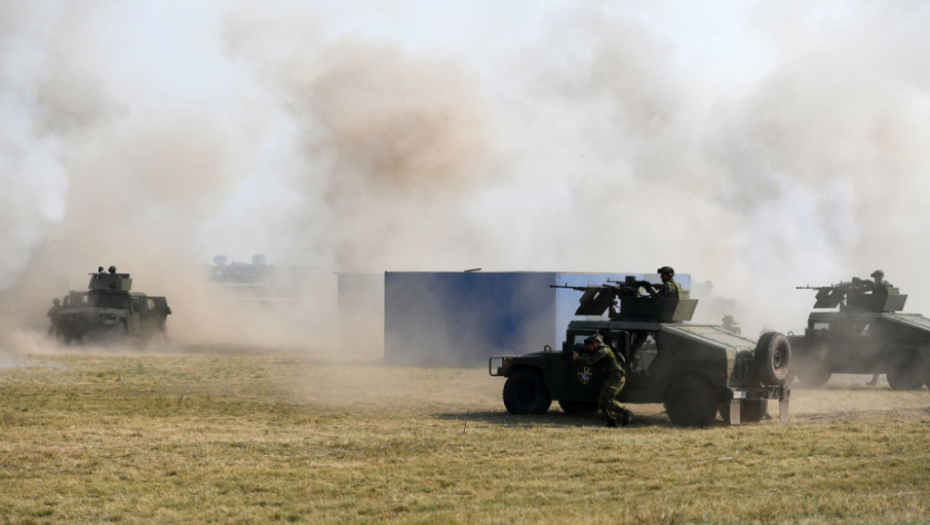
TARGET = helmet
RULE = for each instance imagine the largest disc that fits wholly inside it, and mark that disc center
(592, 338)
(666, 269)
(878, 273)
(112, 269)
(56, 301)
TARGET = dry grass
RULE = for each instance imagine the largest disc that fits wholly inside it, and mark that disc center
(240, 438)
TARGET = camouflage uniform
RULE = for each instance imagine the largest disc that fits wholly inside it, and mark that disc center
(604, 361)
(880, 285)
(53, 318)
(670, 289)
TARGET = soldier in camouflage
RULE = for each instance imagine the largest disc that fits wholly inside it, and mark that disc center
(53, 317)
(880, 285)
(602, 357)
(669, 288)
(730, 325)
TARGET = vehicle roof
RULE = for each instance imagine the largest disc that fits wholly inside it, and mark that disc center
(836, 314)
(911, 320)
(712, 335)
(649, 326)
(705, 334)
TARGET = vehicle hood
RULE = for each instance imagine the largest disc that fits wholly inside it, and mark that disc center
(711, 335)
(909, 320)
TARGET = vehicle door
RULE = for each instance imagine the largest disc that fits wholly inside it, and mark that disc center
(864, 342)
(576, 381)
(148, 322)
(134, 321)
(160, 312)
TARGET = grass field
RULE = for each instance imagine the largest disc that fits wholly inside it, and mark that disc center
(204, 436)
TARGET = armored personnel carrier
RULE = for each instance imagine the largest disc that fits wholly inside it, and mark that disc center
(864, 332)
(110, 311)
(696, 371)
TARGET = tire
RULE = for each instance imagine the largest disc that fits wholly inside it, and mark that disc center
(578, 408)
(908, 372)
(691, 402)
(750, 411)
(812, 371)
(525, 393)
(773, 358)
(116, 335)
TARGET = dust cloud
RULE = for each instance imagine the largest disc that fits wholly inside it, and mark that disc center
(781, 147)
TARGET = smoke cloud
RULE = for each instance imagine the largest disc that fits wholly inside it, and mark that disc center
(760, 147)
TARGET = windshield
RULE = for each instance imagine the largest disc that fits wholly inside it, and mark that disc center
(108, 300)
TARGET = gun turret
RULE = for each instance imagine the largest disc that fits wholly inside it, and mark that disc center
(853, 295)
(599, 299)
(596, 299)
(631, 286)
(110, 281)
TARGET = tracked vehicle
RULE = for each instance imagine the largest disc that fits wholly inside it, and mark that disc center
(110, 311)
(864, 332)
(696, 371)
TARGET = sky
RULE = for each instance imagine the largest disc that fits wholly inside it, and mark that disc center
(760, 146)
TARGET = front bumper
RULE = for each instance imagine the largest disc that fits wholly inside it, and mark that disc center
(498, 364)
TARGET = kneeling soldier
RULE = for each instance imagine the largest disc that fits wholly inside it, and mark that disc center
(601, 356)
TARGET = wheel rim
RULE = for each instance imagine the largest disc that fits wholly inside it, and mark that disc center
(525, 394)
(692, 403)
(779, 358)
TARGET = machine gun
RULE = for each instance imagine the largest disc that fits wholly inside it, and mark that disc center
(852, 294)
(597, 299)
(632, 285)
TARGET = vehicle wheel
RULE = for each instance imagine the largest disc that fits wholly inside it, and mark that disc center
(750, 411)
(691, 402)
(578, 408)
(813, 373)
(525, 393)
(908, 372)
(773, 358)
(116, 335)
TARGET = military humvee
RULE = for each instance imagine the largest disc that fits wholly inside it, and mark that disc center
(108, 310)
(867, 334)
(696, 371)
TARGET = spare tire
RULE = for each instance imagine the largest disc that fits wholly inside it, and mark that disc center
(773, 358)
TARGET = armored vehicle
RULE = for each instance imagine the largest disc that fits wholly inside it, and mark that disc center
(109, 310)
(696, 371)
(864, 332)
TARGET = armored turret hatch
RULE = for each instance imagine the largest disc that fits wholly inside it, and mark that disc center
(663, 310)
(876, 302)
(829, 297)
(858, 296)
(596, 301)
(113, 282)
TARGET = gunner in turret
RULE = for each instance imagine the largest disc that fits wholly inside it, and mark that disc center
(880, 285)
(670, 288)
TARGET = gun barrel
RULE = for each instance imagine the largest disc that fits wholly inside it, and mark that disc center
(567, 287)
